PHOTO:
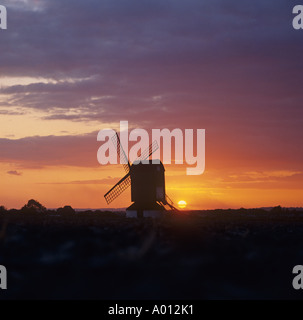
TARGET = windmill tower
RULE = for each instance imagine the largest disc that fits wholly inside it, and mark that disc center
(147, 181)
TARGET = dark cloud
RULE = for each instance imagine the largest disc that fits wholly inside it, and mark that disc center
(232, 67)
(14, 173)
(11, 113)
(51, 150)
(222, 152)
(106, 181)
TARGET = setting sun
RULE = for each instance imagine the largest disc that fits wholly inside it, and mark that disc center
(182, 204)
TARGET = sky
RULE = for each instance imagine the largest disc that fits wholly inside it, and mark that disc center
(70, 68)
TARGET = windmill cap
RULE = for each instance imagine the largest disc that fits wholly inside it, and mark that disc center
(150, 162)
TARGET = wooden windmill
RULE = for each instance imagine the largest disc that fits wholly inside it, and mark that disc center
(147, 181)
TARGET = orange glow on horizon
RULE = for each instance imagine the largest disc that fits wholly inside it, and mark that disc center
(84, 187)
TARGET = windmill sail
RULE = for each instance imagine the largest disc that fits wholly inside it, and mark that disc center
(118, 188)
(121, 154)
(168, 204)
(148, 152)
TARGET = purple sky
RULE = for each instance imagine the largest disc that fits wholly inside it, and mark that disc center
(231, 67)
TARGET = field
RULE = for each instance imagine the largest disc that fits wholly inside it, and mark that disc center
(218, 254)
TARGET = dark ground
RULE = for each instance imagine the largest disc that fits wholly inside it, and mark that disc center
(222, 254)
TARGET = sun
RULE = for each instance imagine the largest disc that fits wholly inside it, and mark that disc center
(182, 204)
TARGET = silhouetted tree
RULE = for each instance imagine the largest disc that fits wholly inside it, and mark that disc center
(33, 206)
(277, 209)
(2, 209)
(66, 210)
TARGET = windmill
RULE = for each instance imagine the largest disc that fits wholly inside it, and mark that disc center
(147, 181)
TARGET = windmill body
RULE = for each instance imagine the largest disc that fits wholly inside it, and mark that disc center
(147, 189)
(147, 182)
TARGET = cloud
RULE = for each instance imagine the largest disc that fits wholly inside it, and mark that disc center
(228, 67)
(106, 181)
(233, 68)
(262, 176)
(221, 154)
(11, 113)
(14, 173)
(78, 150)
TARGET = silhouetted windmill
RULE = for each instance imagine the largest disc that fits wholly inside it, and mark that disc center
(147, 181)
